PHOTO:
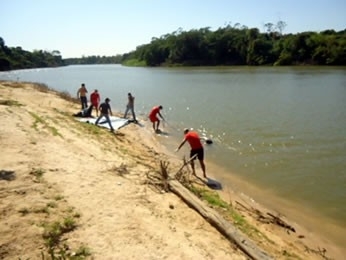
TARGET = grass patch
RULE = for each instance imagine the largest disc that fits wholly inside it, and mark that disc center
(54, 131)
(40, 121)
(24, 211)
(12, 84)
(44, 210)
(53, 233)
(42, 87)
(37, 173)
(134, 63)
(76, 215)
(227, 211)
(52, 204)
(67, 96)
(58, 197)
(53, 237)
(62, 94)
(91, 129)
(10, 103)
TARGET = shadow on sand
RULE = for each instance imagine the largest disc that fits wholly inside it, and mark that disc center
(7, 175)
(160, 132)
(213, 184)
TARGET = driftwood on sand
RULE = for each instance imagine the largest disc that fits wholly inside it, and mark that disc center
(212, 216)
(276, 220)
(215, 219)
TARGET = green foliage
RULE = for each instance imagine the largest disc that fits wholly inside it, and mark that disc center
(40, 122)
(94, 60)
(53, 234)
(239, 45)
(226, 209)
(135, 63)
(12, 58)
(37, 173)
(229, 45)
(10, 103)
(211, 197)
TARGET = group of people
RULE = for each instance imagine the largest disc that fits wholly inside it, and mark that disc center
(104, 108)
(192, 137)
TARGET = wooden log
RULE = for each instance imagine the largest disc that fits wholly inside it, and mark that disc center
(216, 220)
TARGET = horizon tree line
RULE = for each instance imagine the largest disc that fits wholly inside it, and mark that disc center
(228, 45)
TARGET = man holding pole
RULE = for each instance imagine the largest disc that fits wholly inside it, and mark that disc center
(197, 149)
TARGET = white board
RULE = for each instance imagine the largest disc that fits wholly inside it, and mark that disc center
(116, 122)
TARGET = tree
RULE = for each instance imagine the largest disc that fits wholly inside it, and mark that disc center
(281, 25)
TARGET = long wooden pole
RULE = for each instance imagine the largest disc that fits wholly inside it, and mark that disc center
(215, 219)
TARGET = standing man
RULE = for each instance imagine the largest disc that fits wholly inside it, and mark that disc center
(196, 149)
(153, 117)
(105, 111)
(130, 106)
(95, 100)
(81, 94)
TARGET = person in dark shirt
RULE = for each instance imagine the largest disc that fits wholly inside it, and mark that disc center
(130, 107)
(105, 111)
(86, 112)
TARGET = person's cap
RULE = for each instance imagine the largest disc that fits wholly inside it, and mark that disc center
(186, 130)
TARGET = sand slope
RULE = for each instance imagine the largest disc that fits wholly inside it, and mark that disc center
(55, 168)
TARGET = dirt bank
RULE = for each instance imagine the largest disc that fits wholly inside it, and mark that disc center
(70, 188)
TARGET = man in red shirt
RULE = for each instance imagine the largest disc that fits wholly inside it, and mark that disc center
(95, 100)
(197, 149)
(153, 117)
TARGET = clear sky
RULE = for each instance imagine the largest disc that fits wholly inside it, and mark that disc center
(110, 27)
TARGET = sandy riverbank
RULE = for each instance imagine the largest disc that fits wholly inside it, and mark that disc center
(54, 168)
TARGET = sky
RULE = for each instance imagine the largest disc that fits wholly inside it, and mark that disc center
(79, 28)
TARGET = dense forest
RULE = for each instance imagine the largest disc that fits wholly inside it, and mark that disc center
(12, 58)
(95, 60)
(228, 45)
(239, 45)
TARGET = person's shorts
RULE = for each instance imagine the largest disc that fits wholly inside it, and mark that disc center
(199, 152)
(95, 104)
(153, 119)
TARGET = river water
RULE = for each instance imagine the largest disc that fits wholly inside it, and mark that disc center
(280, 131)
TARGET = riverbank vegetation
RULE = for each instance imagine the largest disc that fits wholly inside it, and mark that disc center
(240, 45)
(12, 58)
(228, 45)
